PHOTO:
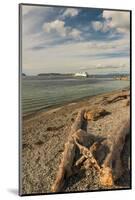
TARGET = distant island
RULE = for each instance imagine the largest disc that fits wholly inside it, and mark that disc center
(115, 76)
(55, 74)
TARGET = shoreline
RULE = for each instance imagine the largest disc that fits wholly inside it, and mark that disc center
(58, 106)
(44, 136)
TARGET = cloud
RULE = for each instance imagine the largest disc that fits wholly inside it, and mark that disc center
(97, 25)
(75, 33)
(54, 40)
(70, 57)
(70, 12)
(58, 26)
(117, 19)
(113, 20)
(104, 66)
(100, 26)
(111, 66)
(33, 18)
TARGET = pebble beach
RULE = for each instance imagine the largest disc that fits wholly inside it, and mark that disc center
(44, 134)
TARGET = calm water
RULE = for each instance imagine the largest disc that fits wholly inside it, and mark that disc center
(46, 92)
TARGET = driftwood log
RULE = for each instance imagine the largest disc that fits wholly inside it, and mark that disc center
(95, 113)
(112, 166)
(115, 98)
(88, 155)
(110, 169)
(89, 151)
(65, 167)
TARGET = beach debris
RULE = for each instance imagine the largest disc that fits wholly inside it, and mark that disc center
(54, 128)
(95, 113)
(65, 167)
(111, 168)
(115, 98)
(40, 142)
(78, 122)
(88, 154)
(91, 150)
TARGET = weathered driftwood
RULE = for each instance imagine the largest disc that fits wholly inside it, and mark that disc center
(112, 166)
(88, 154)
(95, 113)
(106, 177)
(65, 167)
(64, 170)
(78, 122)
(115, 98)
(92, 150)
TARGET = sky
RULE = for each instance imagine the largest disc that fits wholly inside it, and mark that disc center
(70, 40)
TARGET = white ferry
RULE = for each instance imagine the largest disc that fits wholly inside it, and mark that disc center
(81, 74)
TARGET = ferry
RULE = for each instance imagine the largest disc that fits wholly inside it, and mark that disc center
(81, 74)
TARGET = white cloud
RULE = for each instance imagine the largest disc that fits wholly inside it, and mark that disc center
(70, 12)
(100, 26)
(56, 25)
(75, 33)
(40, 55)
(117, 20)
(59, 27)
(97, 25)
(70, 57)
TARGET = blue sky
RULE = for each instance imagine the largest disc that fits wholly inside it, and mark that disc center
(68, 40)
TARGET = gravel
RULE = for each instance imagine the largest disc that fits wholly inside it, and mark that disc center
(43, 138)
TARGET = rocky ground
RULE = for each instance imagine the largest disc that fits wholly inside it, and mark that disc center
(45, 133)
